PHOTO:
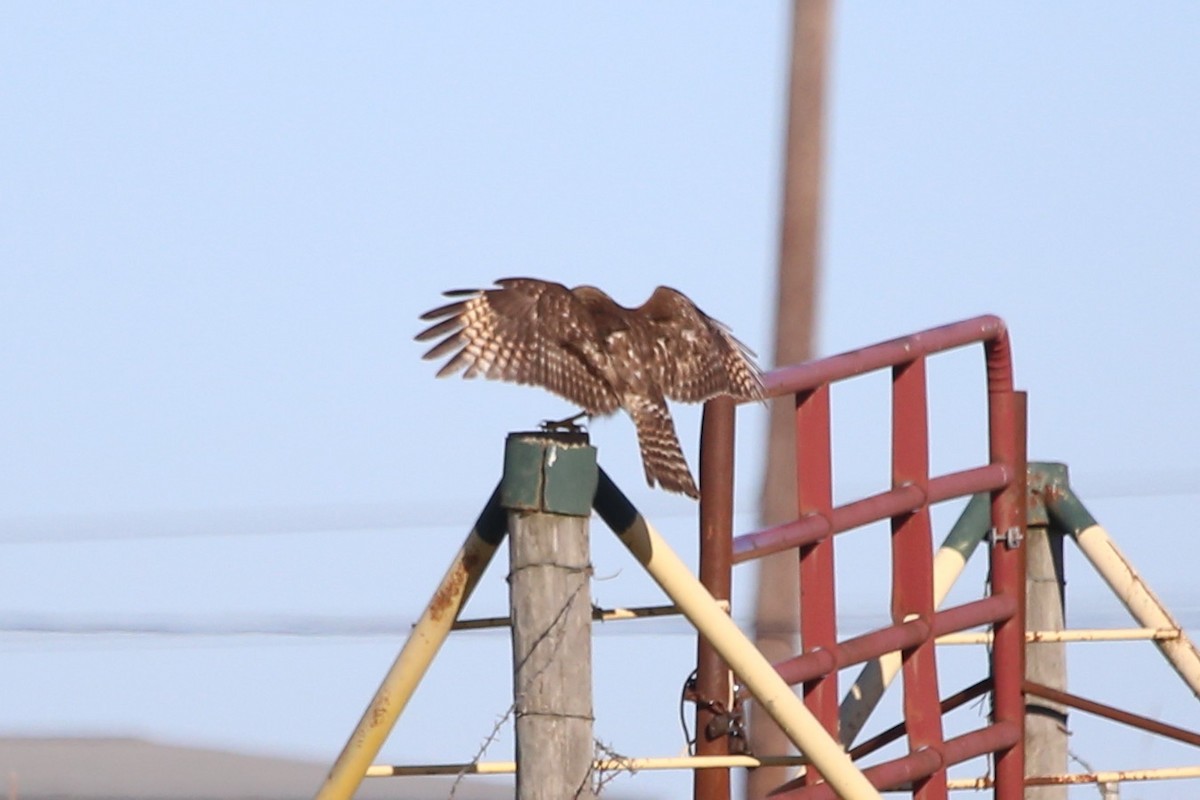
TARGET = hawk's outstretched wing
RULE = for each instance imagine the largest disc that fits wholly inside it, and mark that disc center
(526, 331)
(696, 356)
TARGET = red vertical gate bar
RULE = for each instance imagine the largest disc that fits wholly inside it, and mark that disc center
(713, 689)
(818, 605)
(1006, 417)
(912, 569)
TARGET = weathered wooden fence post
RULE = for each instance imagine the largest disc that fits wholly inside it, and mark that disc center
(1045, 662)
(548, 486)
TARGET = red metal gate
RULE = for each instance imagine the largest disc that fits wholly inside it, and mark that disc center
(906, 505)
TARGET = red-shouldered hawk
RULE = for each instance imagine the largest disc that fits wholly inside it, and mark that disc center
(583, 346)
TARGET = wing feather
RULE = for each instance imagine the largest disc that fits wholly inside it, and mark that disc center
(696, 356)
(525, 331)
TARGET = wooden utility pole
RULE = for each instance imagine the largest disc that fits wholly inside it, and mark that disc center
(778, 598)
(1045, 662)
(548, 486)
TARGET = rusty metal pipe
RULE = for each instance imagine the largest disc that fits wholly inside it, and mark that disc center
(817, 575)
(715, 568)
(900, 772)
(884, 505)
(1007, 420)
(895, 637)
(987, 329)
(884, 738)
(1110, 712)
(859, 648)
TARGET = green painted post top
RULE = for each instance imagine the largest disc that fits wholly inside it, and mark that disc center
(1045, 482)
(549, 472)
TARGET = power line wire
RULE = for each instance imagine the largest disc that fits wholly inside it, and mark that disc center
(370, 518)
(368, 626)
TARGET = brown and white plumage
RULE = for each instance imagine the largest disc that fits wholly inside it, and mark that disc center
(583, 346)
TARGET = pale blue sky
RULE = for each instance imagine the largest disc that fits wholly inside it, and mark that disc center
(219, 223)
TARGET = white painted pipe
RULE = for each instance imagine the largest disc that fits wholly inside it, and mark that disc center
(600, 765)
(1145, 607)
(1116, 776)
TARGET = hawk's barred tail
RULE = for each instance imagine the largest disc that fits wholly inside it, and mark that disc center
(662, 456)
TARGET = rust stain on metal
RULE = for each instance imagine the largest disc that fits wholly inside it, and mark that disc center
(379, 713)
(451, 591)
(1117, 776)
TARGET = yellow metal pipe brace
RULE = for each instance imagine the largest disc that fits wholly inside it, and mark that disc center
(415, 657)
(771, 692)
